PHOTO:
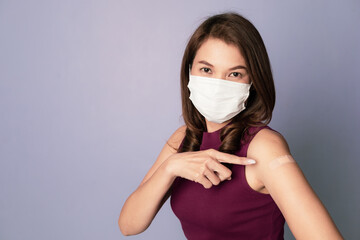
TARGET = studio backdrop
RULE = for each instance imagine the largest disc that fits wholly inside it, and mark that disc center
(90, 93)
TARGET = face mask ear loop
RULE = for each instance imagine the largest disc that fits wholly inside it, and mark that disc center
(251, 84)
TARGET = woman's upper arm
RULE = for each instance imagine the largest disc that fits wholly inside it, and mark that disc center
(284, 180)
(169, 148)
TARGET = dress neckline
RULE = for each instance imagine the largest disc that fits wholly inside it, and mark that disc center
(211, 139)
(217, 131)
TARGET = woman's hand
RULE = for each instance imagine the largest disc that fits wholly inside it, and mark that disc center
(204, 167)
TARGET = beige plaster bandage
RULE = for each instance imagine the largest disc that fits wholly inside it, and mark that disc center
(279, 161)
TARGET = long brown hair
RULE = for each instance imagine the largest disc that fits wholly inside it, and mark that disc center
(236, 30)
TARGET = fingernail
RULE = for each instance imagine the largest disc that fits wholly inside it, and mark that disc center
(251, 161)
(229, 178)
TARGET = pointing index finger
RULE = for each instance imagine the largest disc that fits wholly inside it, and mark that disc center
(230, 158)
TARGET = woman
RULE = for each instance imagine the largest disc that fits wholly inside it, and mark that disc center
(229, 175)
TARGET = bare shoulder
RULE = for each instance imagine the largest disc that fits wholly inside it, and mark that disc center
(266, 145)
(169, 148)
(283, 179)
(177, 137)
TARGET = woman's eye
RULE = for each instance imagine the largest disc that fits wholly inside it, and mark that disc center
(207, 70)
(235, 74)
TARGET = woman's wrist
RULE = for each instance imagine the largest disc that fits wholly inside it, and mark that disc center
(169, 169)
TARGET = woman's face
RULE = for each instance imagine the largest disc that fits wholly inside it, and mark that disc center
(217, 59)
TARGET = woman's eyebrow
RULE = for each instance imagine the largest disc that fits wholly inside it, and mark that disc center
(233, 68)
(238, 67)
(206, 63)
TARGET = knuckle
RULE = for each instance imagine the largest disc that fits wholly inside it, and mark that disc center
(208, 161)
(202, 170)
(196, 177)
(227, 174)
(210, 151)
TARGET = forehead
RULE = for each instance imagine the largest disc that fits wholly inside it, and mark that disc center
(219, 53)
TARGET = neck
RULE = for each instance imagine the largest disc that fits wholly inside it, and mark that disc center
(212, 127)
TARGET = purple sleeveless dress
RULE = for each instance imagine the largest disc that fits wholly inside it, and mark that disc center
(231, 210)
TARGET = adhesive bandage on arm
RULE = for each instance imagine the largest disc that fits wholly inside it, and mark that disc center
(280, 161)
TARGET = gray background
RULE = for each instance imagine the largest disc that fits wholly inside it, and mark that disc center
(89, 94)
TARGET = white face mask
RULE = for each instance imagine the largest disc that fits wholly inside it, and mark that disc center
(218, 100)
